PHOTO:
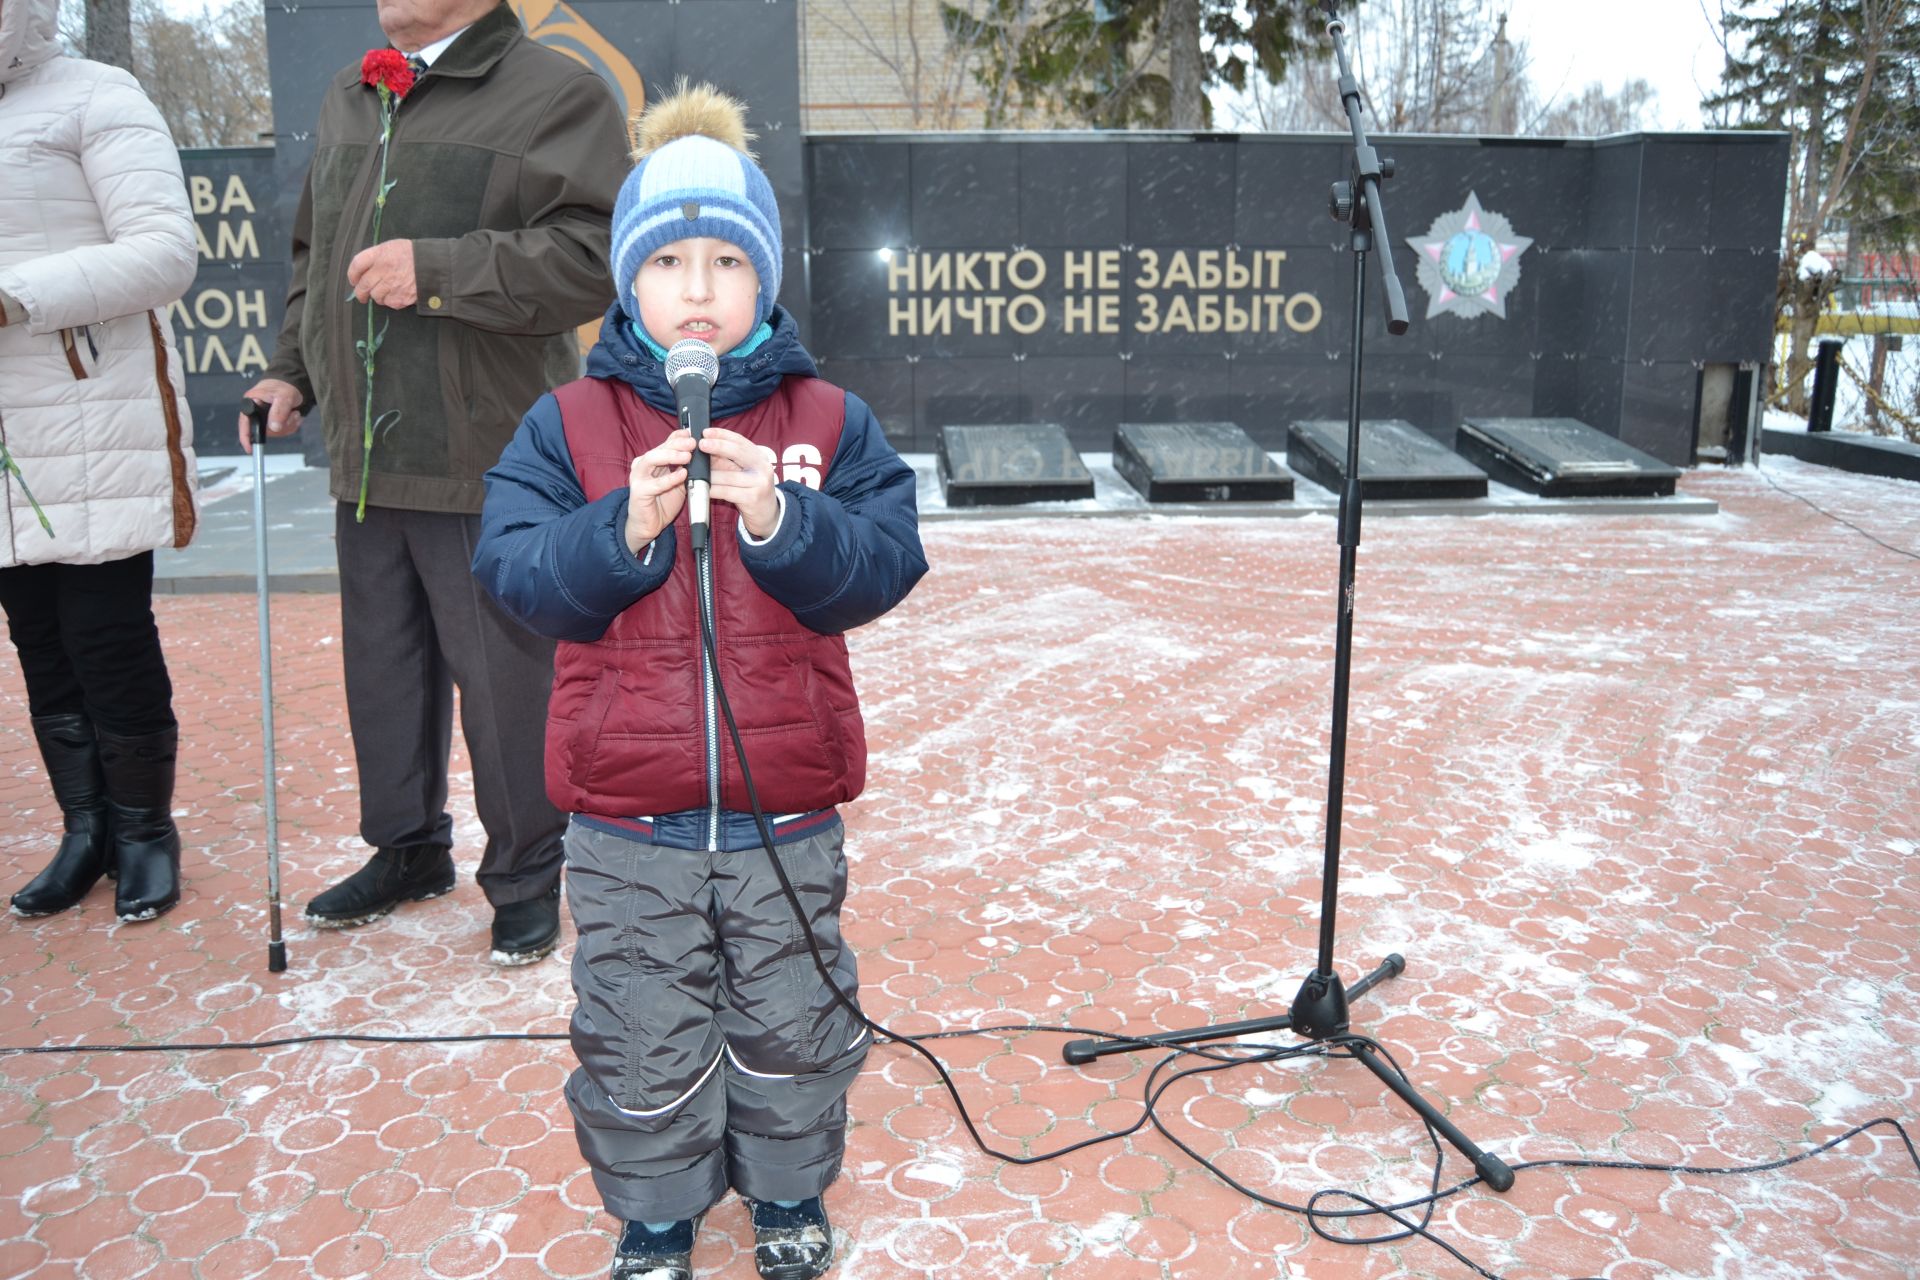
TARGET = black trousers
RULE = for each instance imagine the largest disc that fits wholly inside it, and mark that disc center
(87, 642)
(414, 626)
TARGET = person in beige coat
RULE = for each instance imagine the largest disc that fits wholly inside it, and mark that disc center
(96, 239)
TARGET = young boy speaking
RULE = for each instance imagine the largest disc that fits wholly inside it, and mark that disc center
(711, 1053)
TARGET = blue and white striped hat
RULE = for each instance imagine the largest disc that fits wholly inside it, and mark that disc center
(695, 177)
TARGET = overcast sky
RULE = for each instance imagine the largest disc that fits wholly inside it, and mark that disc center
(1670, 43)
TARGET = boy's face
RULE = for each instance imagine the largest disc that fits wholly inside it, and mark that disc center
(697, 288)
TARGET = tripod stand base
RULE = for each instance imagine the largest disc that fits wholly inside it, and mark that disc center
(1319, 1011)
(1080, 1052)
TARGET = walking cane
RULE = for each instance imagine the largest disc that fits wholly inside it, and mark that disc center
(257, 431)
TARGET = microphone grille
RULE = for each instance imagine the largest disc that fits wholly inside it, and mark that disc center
(690, 355)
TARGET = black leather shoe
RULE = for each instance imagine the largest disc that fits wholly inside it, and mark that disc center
(655, 1255)
(411, 873)
(138, 772)
(791, 1244)
(73, 768)
(524, 932)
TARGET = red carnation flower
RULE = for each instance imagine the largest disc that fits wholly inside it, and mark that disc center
(387, 69)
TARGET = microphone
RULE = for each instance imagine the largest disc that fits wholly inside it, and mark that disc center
(691, 370)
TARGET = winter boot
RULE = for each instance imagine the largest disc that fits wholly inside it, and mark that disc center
(73, 767)
(409, 873)
(655, 1255)
(791, 1243)
(139, 773)
(526, 931)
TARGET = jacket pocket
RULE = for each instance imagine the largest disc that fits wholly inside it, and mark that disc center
(826, 721)
(585, 739)
(71, 342)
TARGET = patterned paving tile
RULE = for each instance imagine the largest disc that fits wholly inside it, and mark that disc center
(1638, 798)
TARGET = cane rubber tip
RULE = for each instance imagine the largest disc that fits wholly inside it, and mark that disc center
(1397, 963)
(1494, 1170)
(1078, 1052)
(277, 962)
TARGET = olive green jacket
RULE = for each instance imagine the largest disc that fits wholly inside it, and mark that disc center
(505, 161)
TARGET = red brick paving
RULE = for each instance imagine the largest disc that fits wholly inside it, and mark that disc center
(1636, 796)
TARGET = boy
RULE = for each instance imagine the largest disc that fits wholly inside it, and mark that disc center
(711, 1054)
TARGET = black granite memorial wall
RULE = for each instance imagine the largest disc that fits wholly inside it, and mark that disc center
(228, 321)
(1092, 279)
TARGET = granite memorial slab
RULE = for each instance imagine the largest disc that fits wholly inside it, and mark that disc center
(1397, 460)
(1197, 462)
(1846, 451)
(989, 466)
(1563, 457)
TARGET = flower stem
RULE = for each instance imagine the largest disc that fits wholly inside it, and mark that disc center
(12, 468)
(387, 105)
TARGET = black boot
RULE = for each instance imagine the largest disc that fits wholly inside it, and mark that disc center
(410, 873)
(791, 1242)
(524, 932)
(73, 767)
(139, 773)
(655, 1255)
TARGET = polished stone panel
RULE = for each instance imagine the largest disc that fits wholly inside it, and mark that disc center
(1561, 457)
(1180, 192)
(1658, 402)
(1397, 460)
(992, 465)
(867, 180)
(965, 195)
(1197, 462)
(1847, 451)
(1281, 188)
(1072, 193)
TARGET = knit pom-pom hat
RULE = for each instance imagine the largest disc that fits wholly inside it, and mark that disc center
(693, 176)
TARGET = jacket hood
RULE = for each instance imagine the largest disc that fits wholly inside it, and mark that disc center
(744, 380)
(29, 36)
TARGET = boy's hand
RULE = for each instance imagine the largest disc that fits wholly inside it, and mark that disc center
(657, 488)
(743, 475)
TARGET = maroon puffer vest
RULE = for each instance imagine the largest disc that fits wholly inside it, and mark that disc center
(626, 730)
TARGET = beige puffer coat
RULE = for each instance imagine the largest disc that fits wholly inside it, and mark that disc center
(96, 239)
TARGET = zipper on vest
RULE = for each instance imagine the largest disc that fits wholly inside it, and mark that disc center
(708, 705)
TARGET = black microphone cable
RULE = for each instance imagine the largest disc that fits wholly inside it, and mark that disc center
(1213, 1058)
(1218, 1060)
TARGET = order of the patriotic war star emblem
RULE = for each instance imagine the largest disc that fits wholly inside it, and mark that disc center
(1469, 261)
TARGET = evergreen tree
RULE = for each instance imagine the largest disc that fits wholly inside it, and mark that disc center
(1125, 63)
(1839, 76)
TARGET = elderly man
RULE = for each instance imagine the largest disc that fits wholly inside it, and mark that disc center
(503, 165)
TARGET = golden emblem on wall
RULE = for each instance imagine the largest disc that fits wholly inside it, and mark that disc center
(555, 24)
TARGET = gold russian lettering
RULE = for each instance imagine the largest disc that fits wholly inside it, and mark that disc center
(1032, 259)
(1312, 311)
(1034, 306)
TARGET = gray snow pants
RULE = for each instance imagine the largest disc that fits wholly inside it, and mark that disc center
(711, 1054)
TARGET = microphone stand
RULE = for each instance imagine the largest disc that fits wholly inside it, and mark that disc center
(1319, 1010)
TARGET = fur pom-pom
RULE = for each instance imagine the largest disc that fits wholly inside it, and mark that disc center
(691, 110)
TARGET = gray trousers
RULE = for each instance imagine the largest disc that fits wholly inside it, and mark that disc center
(711, 1054)
(414, 625)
